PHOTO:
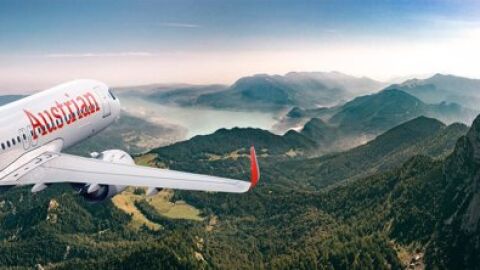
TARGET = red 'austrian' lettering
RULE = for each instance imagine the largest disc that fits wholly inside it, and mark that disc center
(62, 114)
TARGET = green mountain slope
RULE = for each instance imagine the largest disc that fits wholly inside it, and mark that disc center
(229, 149)
(365, 117)
(384, 219)
(422, 135)
(320, 132)
(378, 112)
(409, 195)
(456, 243)
(386, 109)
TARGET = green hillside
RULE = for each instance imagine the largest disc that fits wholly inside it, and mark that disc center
(408, 196)
(383, 220)
(365, 117)
(378, 112)
(425, 136)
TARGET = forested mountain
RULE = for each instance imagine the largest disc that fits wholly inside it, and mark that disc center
(388, 108)
(409, 196)
(383, 220)
(456, 243)
(380, 221)
(444, 88)
(425, 136)
(365, 117)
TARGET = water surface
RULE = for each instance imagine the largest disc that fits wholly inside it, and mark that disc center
(197, 121)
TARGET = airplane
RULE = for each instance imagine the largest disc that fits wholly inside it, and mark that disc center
(37, 128)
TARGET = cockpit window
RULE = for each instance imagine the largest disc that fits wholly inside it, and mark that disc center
(111, 94)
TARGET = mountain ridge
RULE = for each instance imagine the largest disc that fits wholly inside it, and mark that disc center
(443, 88)
(305, 89)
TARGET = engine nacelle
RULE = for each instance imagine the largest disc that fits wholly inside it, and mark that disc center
(104, 192)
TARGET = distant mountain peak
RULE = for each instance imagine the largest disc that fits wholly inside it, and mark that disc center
(307, 90)
(443, 87)
(316, 121)
(439, 75)
(422, 121)
(422, 125)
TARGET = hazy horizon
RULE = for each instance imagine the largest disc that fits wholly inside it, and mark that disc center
(148, 42)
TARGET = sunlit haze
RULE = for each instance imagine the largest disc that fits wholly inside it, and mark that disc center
(142, 42)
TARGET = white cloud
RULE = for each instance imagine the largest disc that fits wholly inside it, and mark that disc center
(455, 53)
(91, 55)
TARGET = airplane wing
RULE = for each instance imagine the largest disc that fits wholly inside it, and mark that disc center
(62, 167)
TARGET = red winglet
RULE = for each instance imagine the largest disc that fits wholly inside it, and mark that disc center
(254, 169)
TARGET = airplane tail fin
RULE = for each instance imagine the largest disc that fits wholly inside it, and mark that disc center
(254, 168)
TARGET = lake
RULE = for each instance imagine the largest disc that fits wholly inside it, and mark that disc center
(197, 121)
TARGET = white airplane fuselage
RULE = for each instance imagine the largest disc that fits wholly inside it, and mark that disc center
(59, 117)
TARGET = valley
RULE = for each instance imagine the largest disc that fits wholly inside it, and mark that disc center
(381, 181)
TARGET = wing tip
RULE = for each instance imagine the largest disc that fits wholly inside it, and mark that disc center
(254, 168)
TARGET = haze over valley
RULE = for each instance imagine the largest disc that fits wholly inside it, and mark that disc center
(354, 109)
(372, 180)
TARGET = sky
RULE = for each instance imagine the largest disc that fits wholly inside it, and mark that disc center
(46, 42)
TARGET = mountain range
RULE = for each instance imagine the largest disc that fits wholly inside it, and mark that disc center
(264, 92)
(407, 196)
(365, 117)
(388, 108)
(351, 104)
(304, 89)
(408, 212)
(308, 90)
(419, 136)
(398, 200)
(443, 88)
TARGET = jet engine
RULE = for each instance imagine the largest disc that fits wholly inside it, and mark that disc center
(93, 192)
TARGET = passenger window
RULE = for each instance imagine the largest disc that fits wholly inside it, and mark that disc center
(8, 143)
(18, 139)
(13, 141)
(3, 146)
